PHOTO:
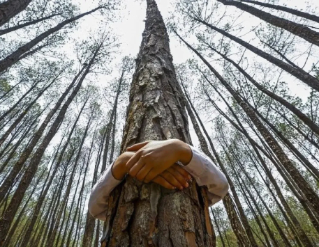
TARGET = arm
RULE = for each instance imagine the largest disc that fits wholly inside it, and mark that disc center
(100, 192)
(207, 174)
(153, 157)
(172, 178)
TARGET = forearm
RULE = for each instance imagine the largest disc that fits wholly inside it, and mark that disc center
(100, 192)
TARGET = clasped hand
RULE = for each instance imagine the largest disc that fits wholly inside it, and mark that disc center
(156, 161)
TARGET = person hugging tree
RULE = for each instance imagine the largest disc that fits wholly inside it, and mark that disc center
(169, 163)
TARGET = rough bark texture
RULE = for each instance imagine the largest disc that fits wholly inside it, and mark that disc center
(146, 214)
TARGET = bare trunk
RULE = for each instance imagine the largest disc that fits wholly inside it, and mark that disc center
(25, 111)
(36, 137)
(288, 165)
(297, 29)
(238, 230)
(312, 125)
(286, 9)
(26, 24)
(146, 214)
(295, 71)
(32, 168)
(21, 51)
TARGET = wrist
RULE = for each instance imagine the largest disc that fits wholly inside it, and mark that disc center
(184, 152)
(118, 170)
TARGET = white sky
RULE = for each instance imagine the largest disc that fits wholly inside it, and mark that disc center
(130, 27)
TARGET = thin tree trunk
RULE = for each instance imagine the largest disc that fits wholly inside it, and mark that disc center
(190, 109)
(218, 229)
(303, 117)
(46, 187)
(26, 24)
(90, 221)
(16, 55)
(22, 212)
(302, 31)
(25, 111)
(297, 72)
(286, 9)
(51, 240)
(19, 101)
(28, 150)
(271, 141)
(11, 8)
(111, 124)
(241, 129)
(33, 165)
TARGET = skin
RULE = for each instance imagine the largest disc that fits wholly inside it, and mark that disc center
(155, 161)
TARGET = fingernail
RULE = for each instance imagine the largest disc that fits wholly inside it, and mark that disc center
(187, 185)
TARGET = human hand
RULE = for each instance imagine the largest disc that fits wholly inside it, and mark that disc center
(154, 157)
(174, 177)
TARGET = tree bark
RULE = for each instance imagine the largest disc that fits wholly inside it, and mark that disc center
(302, 31)
(25, 111)
(34, 140)
(35, 160)
(146, 214)
(22, 50)
(295, 71)
(288, 165)
(26, 24)
(11, 8)
(49, 180)
(286, 9)
(232, 215)
(303, 117)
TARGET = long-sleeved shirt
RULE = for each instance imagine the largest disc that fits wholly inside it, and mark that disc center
(200, 168)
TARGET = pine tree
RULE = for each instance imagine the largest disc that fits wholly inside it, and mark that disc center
(155, 216)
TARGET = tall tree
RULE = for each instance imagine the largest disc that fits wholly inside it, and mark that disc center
(25, 50)
(156, 217)
(295, 28)
(286, 9)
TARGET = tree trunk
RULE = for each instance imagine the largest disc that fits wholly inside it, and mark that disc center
(295, 71)
(49, 180)
(271, 141)
(25, 111)
(19, 101)
(232, 215)
(36, 137)
(26, 24)
(286, 9)
(22, 50)
(297, 29)
(11, 8)
(146, 214)
(34, 162)
(303, 117)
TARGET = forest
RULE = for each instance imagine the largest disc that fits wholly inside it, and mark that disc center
(80, 81)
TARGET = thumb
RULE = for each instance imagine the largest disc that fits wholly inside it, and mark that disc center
(137, 146)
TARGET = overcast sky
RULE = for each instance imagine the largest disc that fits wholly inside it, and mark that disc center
(130, 26)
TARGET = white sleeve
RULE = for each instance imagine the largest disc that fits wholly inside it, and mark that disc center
(207, 174)
(100, 192)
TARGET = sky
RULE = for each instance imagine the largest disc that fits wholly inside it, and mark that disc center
(130, 26)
